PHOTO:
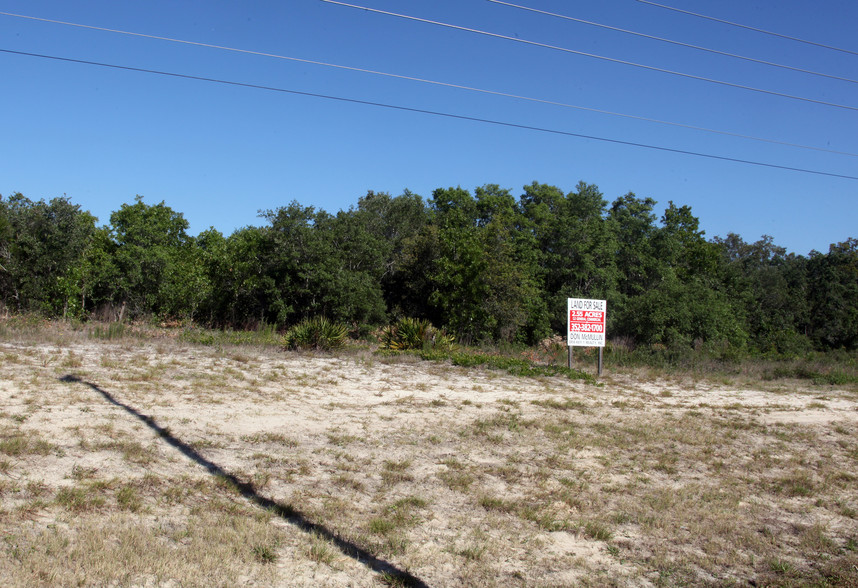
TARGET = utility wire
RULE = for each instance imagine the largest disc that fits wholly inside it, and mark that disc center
(756, 30)
(439, 83)
(679, 43)
(431, 112)
(594, 55)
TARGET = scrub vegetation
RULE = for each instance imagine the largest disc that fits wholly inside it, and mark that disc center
(481, 268)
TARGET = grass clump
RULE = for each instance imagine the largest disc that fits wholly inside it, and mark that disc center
(598, 531)
(16, 444)
(108, 332)
(77, 499)
(514, 366)
(317, 333)
(264, 336)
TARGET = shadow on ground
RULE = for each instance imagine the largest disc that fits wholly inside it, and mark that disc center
(391, 573)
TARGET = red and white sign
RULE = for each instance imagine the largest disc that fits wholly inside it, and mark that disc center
(586, 322)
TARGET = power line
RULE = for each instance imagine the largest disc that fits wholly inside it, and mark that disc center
(437, 83)
(736, 24)
(679, 43)
(433, 113)
(593, 55)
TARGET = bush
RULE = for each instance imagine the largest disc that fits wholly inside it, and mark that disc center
(317, 333)
(409, 333)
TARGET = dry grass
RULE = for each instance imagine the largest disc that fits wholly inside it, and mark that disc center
(134, 461)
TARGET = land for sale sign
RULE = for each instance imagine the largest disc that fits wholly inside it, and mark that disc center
(586, 322)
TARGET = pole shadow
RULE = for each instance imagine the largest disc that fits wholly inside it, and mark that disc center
(394, 575)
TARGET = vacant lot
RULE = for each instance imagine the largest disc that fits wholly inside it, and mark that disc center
(148, 462)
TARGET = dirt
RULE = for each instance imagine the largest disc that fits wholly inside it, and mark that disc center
(339, 439)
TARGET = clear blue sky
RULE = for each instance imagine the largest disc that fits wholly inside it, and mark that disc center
(219, 153)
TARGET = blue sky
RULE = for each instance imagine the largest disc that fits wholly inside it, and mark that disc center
(219, 153)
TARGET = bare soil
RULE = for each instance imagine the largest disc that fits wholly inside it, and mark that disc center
(142, 462)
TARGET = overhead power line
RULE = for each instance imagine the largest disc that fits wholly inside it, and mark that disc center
(750, 28)
(678, 43)
(433, 113)
(594, 55)
(439, 83)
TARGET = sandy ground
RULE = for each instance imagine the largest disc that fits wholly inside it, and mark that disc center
(336, 441)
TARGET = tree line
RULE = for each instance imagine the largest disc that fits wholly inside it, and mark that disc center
(486, 266)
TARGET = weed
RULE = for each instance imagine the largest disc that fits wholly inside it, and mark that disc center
(77, 499)
(381, 526)
(109, 332)
(795, 484)
(473, 552)
(264, 554)
(320, 550)
(567, 404)
(493, 503)
(395, 472)
(780, 566)
(598, 531)
(82, 473)
(128, 498)
(268, 437)
(408, 502)
(341, 440)
(18, 444)
(457, 480)
(348, 481)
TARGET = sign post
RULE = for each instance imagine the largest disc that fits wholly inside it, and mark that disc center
(586, 325)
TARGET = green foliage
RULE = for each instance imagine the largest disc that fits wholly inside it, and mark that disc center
(409, 334)
(317, 333)
(484, 265)
(575, 248)
(153, 259)
(485, 283)
(769, 289)
(833, 295)
(41, 244)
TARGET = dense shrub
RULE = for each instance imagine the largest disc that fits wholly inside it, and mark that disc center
(410, 333)
(317, 333)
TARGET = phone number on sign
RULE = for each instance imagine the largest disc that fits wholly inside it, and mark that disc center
(586, 328)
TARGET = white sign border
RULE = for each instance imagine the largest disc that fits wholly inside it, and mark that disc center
(586, 304)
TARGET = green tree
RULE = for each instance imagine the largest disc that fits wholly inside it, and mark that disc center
(833, 296)
(325, 265)
(575, 245)
(484, 283)
(771, 286)
(252, 280)
(673, 291)
(40, 247)
(99, 274)
(152, 249)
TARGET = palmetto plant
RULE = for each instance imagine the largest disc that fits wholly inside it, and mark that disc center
(317, 333)
(410, 333)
